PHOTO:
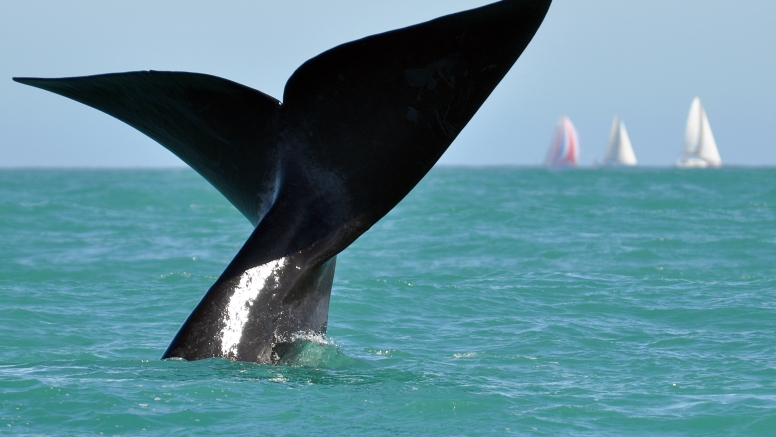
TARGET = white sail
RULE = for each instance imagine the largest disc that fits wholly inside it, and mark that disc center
(614, 139)
(707, 146)
(700, 148)
(620, 150)
(692, 133)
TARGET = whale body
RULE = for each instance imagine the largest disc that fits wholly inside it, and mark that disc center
(358, 128)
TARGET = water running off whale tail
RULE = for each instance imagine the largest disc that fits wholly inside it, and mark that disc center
(358, 128)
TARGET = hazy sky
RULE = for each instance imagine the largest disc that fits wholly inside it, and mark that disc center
(645, 59)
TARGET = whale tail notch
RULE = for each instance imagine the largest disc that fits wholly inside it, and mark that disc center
(359, 126)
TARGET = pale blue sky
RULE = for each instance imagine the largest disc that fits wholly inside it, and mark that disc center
(591, 58)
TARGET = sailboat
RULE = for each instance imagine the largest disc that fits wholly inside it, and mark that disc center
(620, 151)
(700, 149)
(564, 150)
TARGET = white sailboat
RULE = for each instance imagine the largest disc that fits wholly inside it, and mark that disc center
(700, 148)
(564, 150)
(620, 150)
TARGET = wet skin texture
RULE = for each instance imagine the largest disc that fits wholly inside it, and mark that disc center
(358, 128)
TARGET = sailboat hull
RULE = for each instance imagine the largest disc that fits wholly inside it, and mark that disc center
(692, 162)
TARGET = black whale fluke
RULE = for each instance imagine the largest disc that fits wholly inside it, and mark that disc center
(359, 126)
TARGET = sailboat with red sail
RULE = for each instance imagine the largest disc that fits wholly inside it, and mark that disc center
(564, 150)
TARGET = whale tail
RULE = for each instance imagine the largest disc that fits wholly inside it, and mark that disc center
(358, 128)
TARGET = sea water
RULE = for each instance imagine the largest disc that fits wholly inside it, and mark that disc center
(492, 301)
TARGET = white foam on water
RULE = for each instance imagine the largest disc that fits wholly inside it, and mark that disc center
(310, 336)
(252, 282)
(467, 354)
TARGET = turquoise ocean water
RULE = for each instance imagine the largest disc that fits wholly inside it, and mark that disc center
(504, 301)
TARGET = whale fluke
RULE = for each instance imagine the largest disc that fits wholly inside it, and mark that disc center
(358, 128)
(218, 127)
